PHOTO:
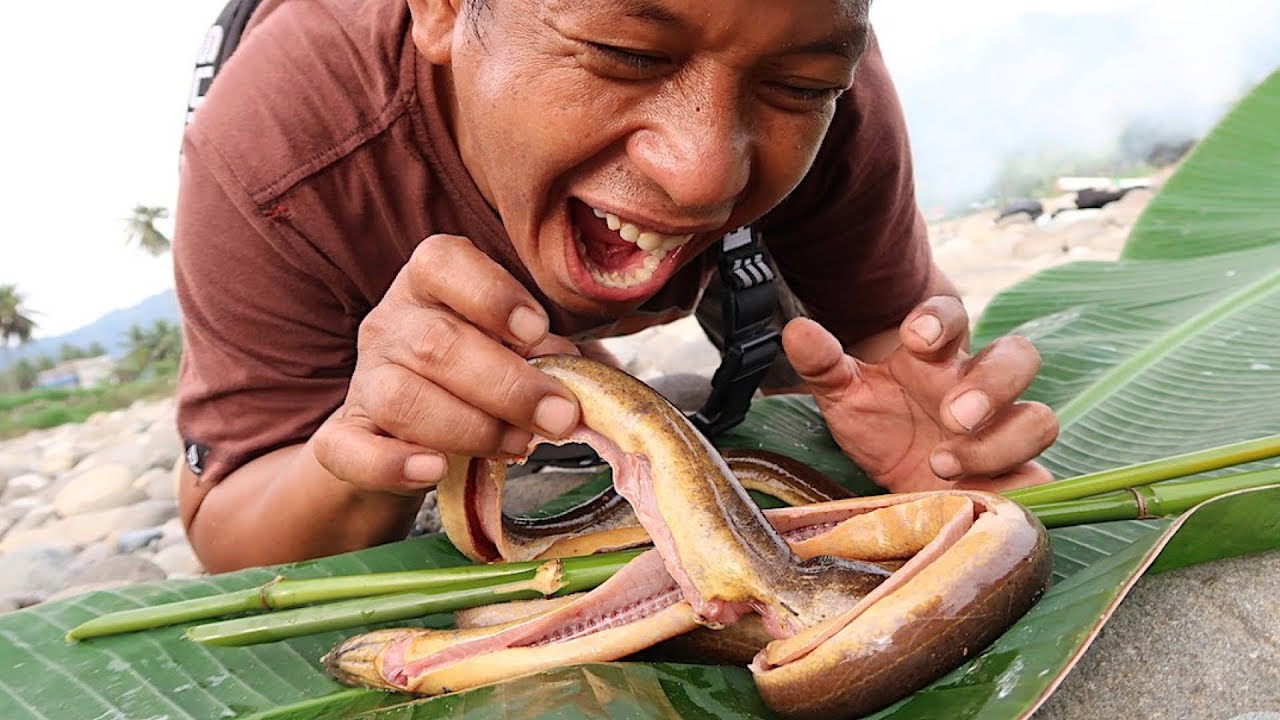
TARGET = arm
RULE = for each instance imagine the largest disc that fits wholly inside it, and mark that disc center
(284, 506)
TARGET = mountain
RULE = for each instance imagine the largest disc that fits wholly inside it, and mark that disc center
(109, 330)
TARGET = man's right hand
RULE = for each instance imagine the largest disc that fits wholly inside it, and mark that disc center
(441, 369)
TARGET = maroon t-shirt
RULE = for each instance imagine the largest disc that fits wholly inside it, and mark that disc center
(320, 158)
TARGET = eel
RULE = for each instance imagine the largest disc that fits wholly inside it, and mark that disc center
(846, 636)
(470, 501)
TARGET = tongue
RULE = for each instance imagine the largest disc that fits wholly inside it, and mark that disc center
(605, 249)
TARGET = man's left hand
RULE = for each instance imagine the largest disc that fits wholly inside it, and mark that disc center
(930, 416)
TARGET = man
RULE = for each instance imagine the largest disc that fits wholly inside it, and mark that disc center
(384, 211)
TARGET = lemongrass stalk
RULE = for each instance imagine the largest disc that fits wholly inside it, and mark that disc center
(554, 578)
(283, 593)
(1148, 472)
(1149, 501)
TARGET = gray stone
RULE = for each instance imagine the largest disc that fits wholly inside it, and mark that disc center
(8, 605)
(179, 561)
(687, 391)
(134, 540)
(34, 569)
(35, 513)
(1258, 716)
(158, 484)
(129, 451)
(59, 457)
(163, 445)
(99, 487)
(116, 569)
(94, 553)
(24, 485)
(172, 532)
(91, 527)
(1202, 642)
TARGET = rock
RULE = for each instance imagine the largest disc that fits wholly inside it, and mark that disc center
(163, 445)
(97, 488)
(38, 570)
(686, 391)
(59, 457)
(34, 513)
(24, 485)
(134, 540)
(91, 527)
(1038, 243)
(1201, 642)
(178, 561)
(95, 553)
(158, 484)
(8, 604)
(116, 569)
(172, 532)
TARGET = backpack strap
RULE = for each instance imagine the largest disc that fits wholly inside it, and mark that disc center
(219, 42)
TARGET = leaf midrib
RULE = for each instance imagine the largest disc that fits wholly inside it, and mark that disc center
(1120, 375)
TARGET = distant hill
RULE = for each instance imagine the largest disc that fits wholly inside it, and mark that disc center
(109, 330)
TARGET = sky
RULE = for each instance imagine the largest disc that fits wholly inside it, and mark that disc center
(95, 95)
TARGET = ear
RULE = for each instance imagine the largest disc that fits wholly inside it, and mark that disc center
(433, 24)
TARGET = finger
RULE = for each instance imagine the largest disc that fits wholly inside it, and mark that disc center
(936, 328)
(1009, 439)
(817, 356)
(992, 380)
(449, 270)
(552, 345)
(421, 412)
(1022, 476)
(444, 349)
(353, 449)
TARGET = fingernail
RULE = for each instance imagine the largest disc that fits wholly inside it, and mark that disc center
(555, 416)
(516, 442)
(927, 327)
(944, 464)
(970, 408)
(424, 469)
(527, 325)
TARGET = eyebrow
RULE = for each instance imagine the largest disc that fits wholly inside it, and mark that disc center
(844, 48)
(651, 11)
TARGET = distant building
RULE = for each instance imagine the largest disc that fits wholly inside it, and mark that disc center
(82, 373)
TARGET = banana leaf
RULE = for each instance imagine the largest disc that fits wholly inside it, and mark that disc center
(1175, 347)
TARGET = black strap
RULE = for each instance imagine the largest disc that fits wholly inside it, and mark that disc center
(750, 344)
(219, 42)
(749, 297)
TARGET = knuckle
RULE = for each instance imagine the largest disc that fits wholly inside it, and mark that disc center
(399, 406)
(439, 340)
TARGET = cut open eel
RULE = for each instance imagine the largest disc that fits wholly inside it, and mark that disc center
(847, 635)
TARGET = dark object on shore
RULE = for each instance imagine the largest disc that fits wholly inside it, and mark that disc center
(1096, 198)
(1034, 208)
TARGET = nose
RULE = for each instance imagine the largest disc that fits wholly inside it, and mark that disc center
(698, 147)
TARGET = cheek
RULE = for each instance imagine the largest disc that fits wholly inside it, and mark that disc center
(792, 146)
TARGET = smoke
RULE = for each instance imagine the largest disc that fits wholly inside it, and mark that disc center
(999, 87)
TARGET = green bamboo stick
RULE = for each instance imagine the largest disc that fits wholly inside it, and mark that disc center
(1148, 472)
(554, 578)
(1157, 500)
(284, 593)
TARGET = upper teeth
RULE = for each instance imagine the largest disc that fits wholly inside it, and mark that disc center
(647, 240)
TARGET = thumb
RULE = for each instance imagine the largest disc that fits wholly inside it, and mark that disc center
(818, 357)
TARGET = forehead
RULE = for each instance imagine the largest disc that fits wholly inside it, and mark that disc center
(697, 12)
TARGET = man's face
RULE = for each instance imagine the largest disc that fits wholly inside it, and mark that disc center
(617, 139)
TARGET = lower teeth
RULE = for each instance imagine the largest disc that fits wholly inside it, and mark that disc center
(631, 278)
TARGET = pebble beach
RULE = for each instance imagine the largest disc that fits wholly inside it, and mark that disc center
(92, 505)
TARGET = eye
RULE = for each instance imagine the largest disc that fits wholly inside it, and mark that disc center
(802, 97)
(635, 61)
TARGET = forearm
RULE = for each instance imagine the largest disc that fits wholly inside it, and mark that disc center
(284, 507)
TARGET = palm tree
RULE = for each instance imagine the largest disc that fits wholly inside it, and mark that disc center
(15, 319)
(141, 230)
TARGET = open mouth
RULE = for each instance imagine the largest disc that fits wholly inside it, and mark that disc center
(615, 259)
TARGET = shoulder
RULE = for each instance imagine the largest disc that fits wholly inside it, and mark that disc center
(311, 81)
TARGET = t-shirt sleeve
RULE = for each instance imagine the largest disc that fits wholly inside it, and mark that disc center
(268, 347)
(850, 240)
